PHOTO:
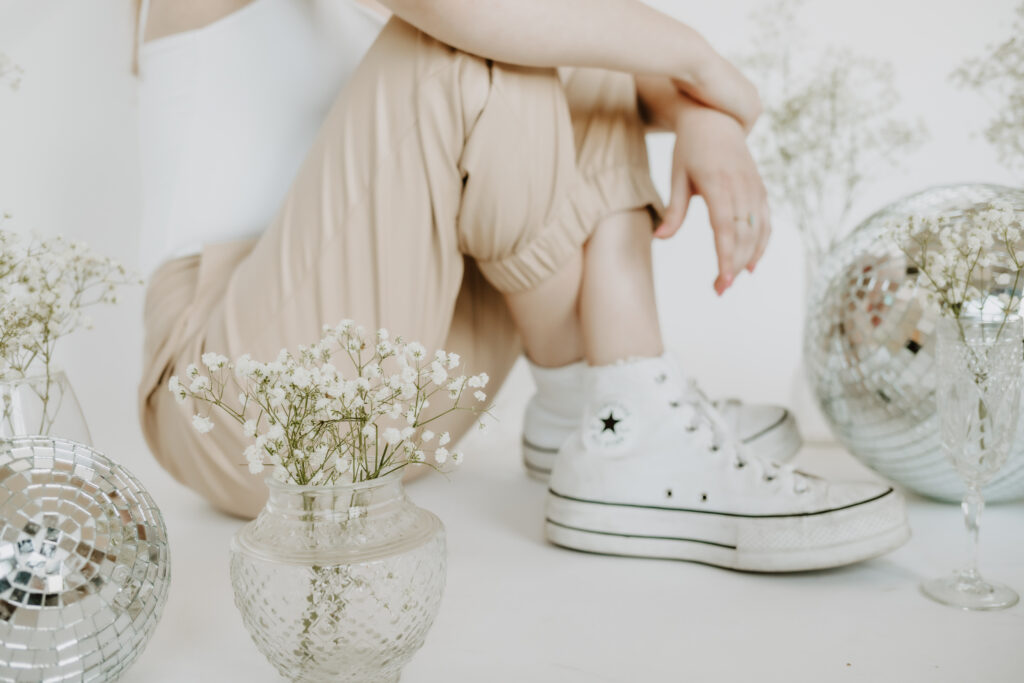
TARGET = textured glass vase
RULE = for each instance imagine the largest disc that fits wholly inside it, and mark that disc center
(43, 404)
(980, 368)
(339, 583)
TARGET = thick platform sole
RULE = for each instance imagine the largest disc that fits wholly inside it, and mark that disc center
(756, 544)
(779, 442)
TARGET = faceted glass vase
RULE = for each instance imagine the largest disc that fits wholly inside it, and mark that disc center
(44, 405)
(339, 583)
(980, 370)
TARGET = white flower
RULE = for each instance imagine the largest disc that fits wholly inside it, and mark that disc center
(415, 351)
(482, 426)
(192, 371)
(199, 384)
(417, 456)
(392, 436)
(301, 377)
(214, 361)
(276, 432)
(254, 457)
(440, 455)
(456, 457)
(453, 360)
(437, 373)
(426, 436)
(245, 367)
(202, 424)
(479, 395)
(444, 439)
(249, 428)
(179, 391)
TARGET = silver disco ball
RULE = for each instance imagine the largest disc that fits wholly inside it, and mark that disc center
(869, 349)
(84, 564)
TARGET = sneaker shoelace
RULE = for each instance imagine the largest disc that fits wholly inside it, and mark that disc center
(706, 417)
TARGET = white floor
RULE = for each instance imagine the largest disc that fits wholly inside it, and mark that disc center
(517, 609)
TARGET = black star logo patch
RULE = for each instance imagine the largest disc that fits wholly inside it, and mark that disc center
(610, 422)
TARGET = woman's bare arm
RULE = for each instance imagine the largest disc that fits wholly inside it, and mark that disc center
(621, 35)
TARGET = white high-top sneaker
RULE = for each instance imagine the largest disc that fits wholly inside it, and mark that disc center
(647, 476)
(554, 411)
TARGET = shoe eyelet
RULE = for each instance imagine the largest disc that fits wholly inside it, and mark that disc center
(691, 428)
(769, 478)
(673, 404)
(703, 497)
(740, 464)
(660, 379)
(714, 448)
(668, 493)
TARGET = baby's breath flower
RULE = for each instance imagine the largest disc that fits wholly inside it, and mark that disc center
(392, 436)
(456, 457)
(437, 373)
(199, 385)
(318, 425)
(415, 351)
(179, 391)
(214, 361)
(479, 395)
(202, 424)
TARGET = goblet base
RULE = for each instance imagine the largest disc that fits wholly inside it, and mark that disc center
(969, 592)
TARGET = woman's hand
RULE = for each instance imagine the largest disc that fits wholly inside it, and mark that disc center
(711, 159)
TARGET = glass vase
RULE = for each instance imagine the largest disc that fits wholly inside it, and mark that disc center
(980, 365)
(42, 405)
(339, 583)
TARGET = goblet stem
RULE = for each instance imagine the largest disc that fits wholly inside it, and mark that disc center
(972, 505)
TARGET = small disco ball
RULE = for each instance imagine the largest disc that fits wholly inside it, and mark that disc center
(869, 351)
(84, 563)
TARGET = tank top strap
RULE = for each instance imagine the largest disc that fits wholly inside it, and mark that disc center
(140, 29)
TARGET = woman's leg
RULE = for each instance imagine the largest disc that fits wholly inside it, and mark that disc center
(429, 157)
(618, 315)
(600, 306)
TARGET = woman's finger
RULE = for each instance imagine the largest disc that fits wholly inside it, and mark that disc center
(718, 197)
(764, 236)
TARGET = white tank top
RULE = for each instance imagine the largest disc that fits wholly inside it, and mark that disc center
(227, 112)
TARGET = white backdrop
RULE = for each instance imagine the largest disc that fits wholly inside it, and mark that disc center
(68, 164)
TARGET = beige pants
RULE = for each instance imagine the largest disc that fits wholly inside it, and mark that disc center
(438, 181)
